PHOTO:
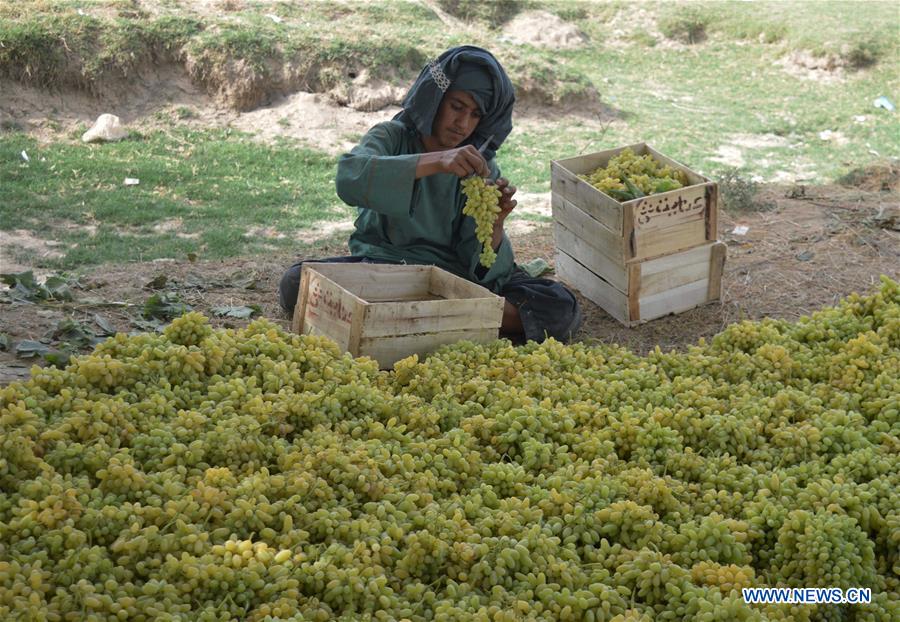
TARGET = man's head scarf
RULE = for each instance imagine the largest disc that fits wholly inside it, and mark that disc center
(465, 68)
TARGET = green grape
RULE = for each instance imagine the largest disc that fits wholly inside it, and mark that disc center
(483, 205)
(253, 474)
(644, 172)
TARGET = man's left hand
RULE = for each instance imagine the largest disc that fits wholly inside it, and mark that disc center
(507, 202)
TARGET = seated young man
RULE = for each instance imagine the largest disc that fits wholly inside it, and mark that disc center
(404, 178)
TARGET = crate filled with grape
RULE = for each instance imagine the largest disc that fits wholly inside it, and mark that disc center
(636, 232)
(390, 312)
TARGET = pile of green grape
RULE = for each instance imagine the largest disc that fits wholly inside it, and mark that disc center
(628, 176)
(252, 474)
(482, 204)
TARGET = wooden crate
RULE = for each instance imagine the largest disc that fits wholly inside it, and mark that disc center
(643, 228)
(651, 288)
(389, 312)
(639, 259)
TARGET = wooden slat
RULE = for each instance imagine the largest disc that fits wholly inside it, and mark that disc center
(628, 231)
(716, 269)
(329, 308)
(668, 209)
(375, 282)
(300, 308)
(670, 240)
(356, 325)
(634, 291)
(389, 350)
(600, 206)
(397, 319)
(712, 211)
(450, 286)
(586, 253)
(670, 271)
(675, 277)
(592, 287)
(676, 260)
(586, 163)
(674, 300)
(584, 226)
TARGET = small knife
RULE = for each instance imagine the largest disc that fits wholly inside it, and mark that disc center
(481, 150)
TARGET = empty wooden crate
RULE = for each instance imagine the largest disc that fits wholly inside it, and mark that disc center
(389, 312)
(638, 259)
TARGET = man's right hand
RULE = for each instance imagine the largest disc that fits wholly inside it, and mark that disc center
(461, 161)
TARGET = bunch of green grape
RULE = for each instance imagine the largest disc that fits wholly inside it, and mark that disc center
(482, 204)
(252, 474)
(628, 176)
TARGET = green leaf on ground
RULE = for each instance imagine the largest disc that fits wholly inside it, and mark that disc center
(104, 325)
(242, 280)
(28, 349)
(158, 282)
(151, 325)
(59, 358)
(58, 288)
(241, 313)
(74, 333)
(199, 281)
(165, 306)
(23, 286)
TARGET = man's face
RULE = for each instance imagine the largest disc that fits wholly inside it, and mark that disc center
(456, 119)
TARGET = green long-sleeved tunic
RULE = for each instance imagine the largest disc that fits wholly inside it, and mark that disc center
(417, 221)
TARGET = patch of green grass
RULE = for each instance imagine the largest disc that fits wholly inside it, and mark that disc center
(714, 96)
(862, 34)
(643, 39)
(492, 13)
(25, 8)
(571, 12)
(183, 112)
(217, 186)
(391, 12)
(68, 49)
(684, 23)
(233, 41)
(550, 81)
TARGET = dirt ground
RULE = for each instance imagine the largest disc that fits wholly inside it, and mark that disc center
(815, 245)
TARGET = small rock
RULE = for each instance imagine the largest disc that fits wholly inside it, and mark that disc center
(796, 192)
(107, 128)
(888, 217)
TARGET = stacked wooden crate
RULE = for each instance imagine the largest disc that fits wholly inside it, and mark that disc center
(389, 312)
(639, 259)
